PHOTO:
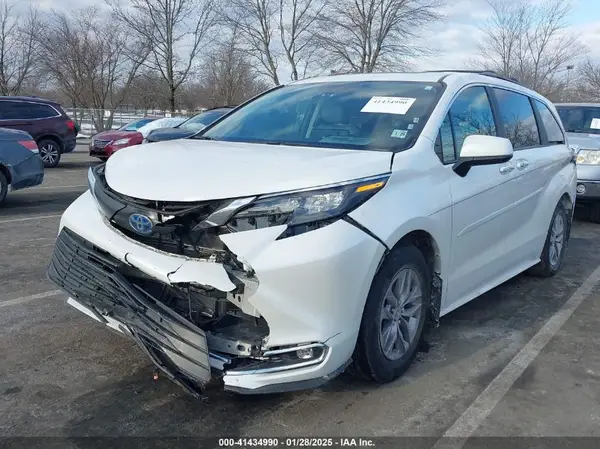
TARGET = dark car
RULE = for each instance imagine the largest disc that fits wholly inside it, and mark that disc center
(20, 163)
(104, 144)
(189, 127)
(52, 129)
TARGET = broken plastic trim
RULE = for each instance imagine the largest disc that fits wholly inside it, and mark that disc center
(436, 299)
(283, 359)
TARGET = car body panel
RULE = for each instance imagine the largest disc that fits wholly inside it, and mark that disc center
(25, 167)
(230, 169)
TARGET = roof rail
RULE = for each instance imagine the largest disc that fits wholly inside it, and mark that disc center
(490, 73)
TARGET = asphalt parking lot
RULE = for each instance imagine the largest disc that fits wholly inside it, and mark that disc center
(521, 360)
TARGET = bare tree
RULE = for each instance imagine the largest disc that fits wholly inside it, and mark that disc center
(92, 59)
(528, 41)
(368, 35)
(274, 31)
(228, 76)
(177, 31)
(588, 81)
(297, 23)
(17, 47)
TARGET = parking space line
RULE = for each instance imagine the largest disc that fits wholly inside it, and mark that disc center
(24, 299)
(40, 217)
(466, 425)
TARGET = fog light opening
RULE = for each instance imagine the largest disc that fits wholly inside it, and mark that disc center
(581, 188)
(305, 354)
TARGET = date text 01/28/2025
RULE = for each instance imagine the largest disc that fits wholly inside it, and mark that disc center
(295, 442)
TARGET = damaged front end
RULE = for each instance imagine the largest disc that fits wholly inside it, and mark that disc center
(192, 331)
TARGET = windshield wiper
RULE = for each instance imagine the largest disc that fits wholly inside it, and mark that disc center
(204, 138)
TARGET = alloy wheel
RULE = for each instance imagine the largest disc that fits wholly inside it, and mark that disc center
(49, 153)
(400, 314)
(557, 233)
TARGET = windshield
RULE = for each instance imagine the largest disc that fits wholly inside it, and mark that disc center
(580, 119)
(133, 126)
(368, 115)
(199, 121)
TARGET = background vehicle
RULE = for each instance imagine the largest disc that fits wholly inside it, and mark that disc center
(104, 144)
(20, 163)
(48, 124)
(137, 124)
(582, 122)
(167, 122)
(189, 127)
(320, 226)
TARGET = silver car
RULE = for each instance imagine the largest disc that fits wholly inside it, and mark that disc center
(582, 123)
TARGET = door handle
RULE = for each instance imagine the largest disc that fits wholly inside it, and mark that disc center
(522, 164)
(506, 169)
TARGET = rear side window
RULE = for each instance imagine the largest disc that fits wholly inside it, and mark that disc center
(470, 114)
(42, 111)
(553, 131)
(517, 115)
(20, 110)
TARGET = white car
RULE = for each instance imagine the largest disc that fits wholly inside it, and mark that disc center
(165, 122)
(320, 226)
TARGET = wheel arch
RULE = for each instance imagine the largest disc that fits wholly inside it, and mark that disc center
(52, 137)
(4, 169)
(429, 246)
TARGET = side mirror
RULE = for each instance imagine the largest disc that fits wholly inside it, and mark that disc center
(482, 150)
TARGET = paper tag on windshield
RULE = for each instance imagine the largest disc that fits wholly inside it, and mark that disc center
(399, 133)
(388, 105)
(595, 123)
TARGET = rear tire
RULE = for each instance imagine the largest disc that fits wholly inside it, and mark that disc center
(557, 241)
(400, 289)
(49, 152)
(3, 187)
(595, 213)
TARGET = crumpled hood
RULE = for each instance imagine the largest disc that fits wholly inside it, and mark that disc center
(197, 170)
(114, 135)
(584, 141)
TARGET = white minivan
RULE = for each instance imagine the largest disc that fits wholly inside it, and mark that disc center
(320, 226)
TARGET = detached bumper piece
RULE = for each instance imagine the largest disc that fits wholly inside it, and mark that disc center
(100, 282)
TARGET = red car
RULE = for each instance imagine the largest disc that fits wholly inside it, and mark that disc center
(104, 144)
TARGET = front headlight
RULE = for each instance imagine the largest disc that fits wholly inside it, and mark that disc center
(304, 210)
(121, 142)
(588, 157)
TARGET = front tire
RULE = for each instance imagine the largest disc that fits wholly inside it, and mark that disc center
(556, 244)
(394, 317)
(49, 152)
(3, 187)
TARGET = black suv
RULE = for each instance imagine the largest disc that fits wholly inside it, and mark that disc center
(52, 129)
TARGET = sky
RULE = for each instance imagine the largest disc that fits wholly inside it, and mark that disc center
(455, 41)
